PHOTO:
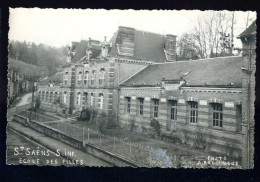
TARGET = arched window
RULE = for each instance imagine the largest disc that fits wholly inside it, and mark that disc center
(101, 76)
(92, 98)
(66, 78)
(85, 99)
(65, 97)
(86, 77)
(93, 77)
(78, 98)
(100, 101)
(79, 77)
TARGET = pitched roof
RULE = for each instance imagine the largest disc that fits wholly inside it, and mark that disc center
(251, 30)
(80, 50)
(28, 70)
(212, 72)
(147, 46)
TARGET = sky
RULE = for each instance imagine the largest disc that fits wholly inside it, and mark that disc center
(59, 27)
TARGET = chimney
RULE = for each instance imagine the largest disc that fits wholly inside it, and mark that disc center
(170, 48)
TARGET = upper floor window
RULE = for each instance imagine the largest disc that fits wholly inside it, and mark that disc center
(93, 77)
(173, 109)
(193, 112)
(127, 104)
(217, 114)
(86, 77)
(141, 106)
(101, 76)
(155, 108)
(79, 77)
(66, 77)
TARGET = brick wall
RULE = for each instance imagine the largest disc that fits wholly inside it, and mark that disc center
(228, 135)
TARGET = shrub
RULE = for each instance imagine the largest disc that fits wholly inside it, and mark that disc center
(111, 121)
(156, 126)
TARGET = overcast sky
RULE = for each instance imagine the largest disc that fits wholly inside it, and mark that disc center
(57, 27)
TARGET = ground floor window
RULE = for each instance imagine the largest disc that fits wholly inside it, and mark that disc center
(127, 104)
(100, 101)
(141, 106)
(155, 108)
(193, 112)
(173, 109)
(92, 98)
(239, 117)
(217, 114)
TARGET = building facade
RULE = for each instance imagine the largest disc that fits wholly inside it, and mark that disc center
(204, 103)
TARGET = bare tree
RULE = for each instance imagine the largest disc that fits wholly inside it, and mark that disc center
(207, 33)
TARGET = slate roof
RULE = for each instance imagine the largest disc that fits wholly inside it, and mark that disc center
(251, 30)
(212, 72)
(28, 70)
(80, 50)
(147, 46)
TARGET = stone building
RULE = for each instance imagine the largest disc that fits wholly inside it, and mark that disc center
(135, 75)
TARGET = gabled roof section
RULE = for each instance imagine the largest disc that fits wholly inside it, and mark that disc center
(206, 72)
(250, 31)
(147, 46)
(80, 49)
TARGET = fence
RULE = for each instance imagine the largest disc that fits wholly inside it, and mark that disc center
(37, 116)
(143, 155)
(17, 110)
(49, 107)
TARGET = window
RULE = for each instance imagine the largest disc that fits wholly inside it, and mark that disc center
(66, 77)
(93, 77)
(65, 97)
(127, 104)
(217, 114)
(100, 101)
(193, 112)
(155, 108)
(102, 76)
(141, 106)
(173, 109)
(86, 77)
(239, 117)
(85, 99)
(79, 77)
(78, 98)
(92, 97)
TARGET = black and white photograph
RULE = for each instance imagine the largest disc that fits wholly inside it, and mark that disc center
(131, 88)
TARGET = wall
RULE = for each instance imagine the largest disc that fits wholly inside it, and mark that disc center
(91, 149)
(220, 137)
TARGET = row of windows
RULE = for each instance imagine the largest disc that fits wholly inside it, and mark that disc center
(217, 110)
(85, 78)
(82, 100)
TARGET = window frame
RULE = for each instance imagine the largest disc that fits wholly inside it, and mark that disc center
(140, 109)
(128, 105)
(217, 115)
(156, 104)
(173, 109)
(193, 112)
